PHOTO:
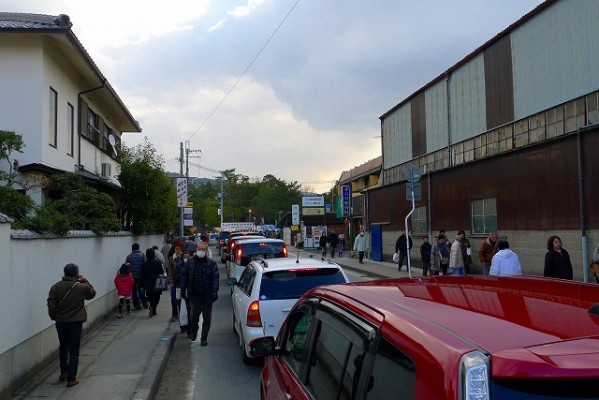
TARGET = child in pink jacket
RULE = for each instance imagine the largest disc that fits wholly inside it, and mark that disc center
(124, 282)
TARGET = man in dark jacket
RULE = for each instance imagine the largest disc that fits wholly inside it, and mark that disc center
(66, 307)
(199, 283)
(401, 246)
(333, 241)
(135, 261)
(322, 243)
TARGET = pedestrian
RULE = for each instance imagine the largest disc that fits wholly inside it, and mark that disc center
(594, 272)
(341, 244)
(66, 306)
(557, 260)
(466, 253)
(124, 283)
(505, 261)
(150, 270)
(189, 244)
(200, 283)
(425, 255)
(361, 245)
(437, 256)
(486, 251)
(173, 274)
(166, 250)
(402, 244)
(322, 243)
(158, 255)
(135, 261)
(456, 257)
(333, 240)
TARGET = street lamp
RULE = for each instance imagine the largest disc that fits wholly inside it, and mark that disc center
(250, 215)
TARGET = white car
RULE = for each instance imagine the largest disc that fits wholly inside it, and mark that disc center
(268, 289)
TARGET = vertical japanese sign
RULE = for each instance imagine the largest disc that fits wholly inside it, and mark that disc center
(181, 192)
(346, 197)
(295, 214)
(188, 216)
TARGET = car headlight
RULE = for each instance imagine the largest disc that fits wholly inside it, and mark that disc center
(474, 376)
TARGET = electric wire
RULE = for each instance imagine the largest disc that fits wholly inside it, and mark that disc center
(244, 71)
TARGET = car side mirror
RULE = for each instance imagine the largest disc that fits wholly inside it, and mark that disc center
(232, 282)
(262, 347)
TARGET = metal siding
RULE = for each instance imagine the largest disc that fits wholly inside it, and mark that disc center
(467, 98)
(555, 56)
(499, 83)
(418, 125)
(397, 137)
(436, 117)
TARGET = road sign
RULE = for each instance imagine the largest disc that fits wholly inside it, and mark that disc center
(416, 189)
(313, 201)
(413, 173)
(295, 214)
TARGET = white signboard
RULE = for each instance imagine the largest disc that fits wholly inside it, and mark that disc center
(188, 216)
(313, 201)
(237, 226)
(295, 214)
(181, 192)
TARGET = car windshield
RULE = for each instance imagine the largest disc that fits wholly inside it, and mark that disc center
(264, 249)
(531, 389)
(291, 284)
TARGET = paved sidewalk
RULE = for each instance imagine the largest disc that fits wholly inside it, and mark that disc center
(124, 358)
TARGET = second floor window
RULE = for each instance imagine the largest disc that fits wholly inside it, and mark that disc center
(484, 216)
(52, 118)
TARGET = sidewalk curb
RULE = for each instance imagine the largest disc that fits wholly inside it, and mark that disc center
(150, 380)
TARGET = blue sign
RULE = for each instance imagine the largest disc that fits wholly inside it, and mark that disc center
(346, 196)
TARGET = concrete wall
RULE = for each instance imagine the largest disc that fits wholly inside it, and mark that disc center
(30, 266)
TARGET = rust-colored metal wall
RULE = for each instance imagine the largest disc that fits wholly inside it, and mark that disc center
(536, 189)
(418, 125)
(499, 87)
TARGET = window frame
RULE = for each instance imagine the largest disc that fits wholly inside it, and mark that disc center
(486, 230)
(70, 130)
(53, 117)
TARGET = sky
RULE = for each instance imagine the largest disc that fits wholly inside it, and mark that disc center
(292, 88)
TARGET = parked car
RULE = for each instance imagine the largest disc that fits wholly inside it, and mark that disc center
(225, 254)
(450, 337)
(267, 289)
(247, 250)
(212, 239)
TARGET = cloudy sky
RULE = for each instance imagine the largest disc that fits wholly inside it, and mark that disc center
(292, 88)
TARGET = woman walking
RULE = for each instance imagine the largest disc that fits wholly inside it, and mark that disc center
(557, 260)
(150, 270)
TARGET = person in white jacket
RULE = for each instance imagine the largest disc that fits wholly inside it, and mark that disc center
(505, 262)
(361, 245)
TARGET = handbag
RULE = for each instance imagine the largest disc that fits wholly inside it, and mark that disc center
(395, 257)
(161, 284)
(183, 314)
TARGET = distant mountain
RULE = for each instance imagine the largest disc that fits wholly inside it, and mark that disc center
(192, 180)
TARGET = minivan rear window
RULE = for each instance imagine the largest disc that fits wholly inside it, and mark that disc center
(264, 249)
(292, 284)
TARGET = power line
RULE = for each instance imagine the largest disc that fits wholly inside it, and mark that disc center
(245, 71)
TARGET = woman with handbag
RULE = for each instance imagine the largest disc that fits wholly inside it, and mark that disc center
(150, 272)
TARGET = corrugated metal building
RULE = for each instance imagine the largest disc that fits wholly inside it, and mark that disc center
(506, 140)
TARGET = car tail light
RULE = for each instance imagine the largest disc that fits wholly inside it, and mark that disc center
(474, 376)
(303, 269)
(253, 317)
(239, 254)
(285, 250)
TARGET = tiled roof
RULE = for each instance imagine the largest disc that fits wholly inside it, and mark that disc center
(369, 167)
(34, 21)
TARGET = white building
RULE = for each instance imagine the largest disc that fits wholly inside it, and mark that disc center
(54, 95)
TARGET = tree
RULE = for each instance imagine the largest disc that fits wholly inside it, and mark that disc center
(149, 202)
(79, 207)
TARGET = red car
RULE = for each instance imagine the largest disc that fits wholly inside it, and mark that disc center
(448, 337)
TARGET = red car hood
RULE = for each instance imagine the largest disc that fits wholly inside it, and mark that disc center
(576, 358)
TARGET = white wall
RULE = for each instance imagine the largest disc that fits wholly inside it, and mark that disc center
(31, 266)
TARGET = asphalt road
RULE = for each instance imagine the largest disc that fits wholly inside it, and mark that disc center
(217, 370)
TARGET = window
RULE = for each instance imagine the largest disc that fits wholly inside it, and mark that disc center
(290, 284)
(93, 125)
(393, 374)
(336, 360)
(52, 118)
(246, 280)
(484, 216)
(70, 129)
(593, 109)
(295, 345)
(419, 220)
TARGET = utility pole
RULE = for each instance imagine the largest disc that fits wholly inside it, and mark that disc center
(180, 208)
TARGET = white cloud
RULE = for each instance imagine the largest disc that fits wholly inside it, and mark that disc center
(244, 11)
